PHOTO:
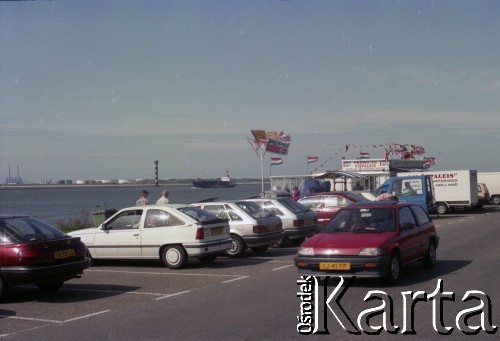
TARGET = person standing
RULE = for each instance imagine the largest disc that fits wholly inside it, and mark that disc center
(163, 200)
(295, 193)
(143, 199)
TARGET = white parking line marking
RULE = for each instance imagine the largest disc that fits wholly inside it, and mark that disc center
(282, 267)
(53, 321)
(171, 295)
(29, 319)
(235, 279)
(159, 273)
(117, 292)
(86, 316)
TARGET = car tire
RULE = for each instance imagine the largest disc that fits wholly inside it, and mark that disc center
(283, 241)
(50, 286)
(393, 269)
(174, 257)
(260, 249)
(2, 287)
(297, 241)
(442, 208)
(237, 247)
(431, 256)
(207, 259)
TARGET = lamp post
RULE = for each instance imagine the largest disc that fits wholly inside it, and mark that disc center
(156, 173)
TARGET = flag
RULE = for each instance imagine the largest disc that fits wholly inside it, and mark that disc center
(311, 159)
(364, 155)
(283, 136)
(277, 147)
(276, 161)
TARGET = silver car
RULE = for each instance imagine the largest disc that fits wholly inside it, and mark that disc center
(299, 222)
(250, 225)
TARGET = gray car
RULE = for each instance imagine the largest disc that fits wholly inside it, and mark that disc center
(250, 225)
(299, 222)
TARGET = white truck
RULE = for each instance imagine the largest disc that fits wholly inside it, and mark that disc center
(452, 189)
(492, 181)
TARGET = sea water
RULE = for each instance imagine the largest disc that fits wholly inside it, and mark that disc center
(61, 204)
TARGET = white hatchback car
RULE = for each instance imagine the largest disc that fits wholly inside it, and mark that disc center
(299, 222)
(171, 233)
(251, 226)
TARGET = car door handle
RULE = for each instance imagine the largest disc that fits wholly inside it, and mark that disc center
(136, 234)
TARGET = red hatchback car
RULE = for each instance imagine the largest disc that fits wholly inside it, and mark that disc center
(32, 252)
(370, 239)
(327, 204)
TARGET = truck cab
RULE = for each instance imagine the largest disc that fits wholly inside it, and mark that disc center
(415, 188)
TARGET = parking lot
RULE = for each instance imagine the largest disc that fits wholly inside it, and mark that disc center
(116, 285)
(234, 298)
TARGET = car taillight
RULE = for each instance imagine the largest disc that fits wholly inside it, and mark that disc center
(298, 222)
(260, 228)
(200, 233)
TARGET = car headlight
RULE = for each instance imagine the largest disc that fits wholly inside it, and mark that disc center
(306, 251)
(370, 251)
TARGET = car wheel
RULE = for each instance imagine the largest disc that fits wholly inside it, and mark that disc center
(282, 242)
(50, 286)
(430, 257)
(393, 269)
(237, 247)
(495, 200)
(2, 287)
(259, 249)
(207, 259)
(298, 241)
(442, 209)
(174, 257)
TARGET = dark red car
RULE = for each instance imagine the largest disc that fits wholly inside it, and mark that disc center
(370, 239)
(326, 204)
(32, 252)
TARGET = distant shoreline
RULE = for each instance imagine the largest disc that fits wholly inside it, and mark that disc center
(148, 185)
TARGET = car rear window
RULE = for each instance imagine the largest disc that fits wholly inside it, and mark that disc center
(27, 230)
(293, 206)
(200, 214)
(253, 209)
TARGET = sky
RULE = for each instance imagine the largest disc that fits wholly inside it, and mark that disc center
(102, 89)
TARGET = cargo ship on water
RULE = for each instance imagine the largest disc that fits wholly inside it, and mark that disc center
(223, 182)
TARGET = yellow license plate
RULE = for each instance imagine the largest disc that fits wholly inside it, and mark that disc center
(309, 222)
(335, 266)
(64, 254)
(216, 232)
(273, 227)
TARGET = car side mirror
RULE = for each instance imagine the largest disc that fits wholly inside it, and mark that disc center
(407, 226)
(106, 227)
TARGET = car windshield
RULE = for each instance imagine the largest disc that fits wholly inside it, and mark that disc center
(293, 206)
(362, 220)
(27, 230)
(199, 214)
(253, 209)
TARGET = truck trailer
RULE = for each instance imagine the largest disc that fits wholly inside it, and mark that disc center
(452, 189)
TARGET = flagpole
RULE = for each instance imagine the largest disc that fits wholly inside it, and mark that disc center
(262, 169)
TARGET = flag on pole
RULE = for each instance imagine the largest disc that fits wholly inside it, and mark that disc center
(276, 161)
(311, 159)
(364, 155)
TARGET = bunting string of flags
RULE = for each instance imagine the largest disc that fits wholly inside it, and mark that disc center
(392, 151)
